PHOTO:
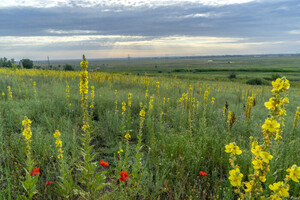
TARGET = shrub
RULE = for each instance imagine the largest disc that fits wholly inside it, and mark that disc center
(68, 67)
(232, 75)
(257, 81)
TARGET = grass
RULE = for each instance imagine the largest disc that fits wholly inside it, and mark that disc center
(177, 140)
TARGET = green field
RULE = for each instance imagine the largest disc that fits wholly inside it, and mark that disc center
(182, 133)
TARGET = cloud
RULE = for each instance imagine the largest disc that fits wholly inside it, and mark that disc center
(70, 32)
(294, 32)
(114, 3)
(176, 27)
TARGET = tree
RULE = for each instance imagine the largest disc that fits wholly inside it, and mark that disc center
(68, 67)
(4, 62)
(27, 63)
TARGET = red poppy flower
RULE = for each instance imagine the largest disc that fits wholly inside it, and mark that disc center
(124, 176)
(202, 173)
(49, 182)
(35, 171)
(103, 163)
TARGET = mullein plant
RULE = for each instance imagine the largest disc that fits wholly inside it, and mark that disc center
(272, 131)
(30, 183)
(68, 95)
(65, 183)
(10, 95)
(34, 89)
(295, 124)
(90, 182)
(136, 171)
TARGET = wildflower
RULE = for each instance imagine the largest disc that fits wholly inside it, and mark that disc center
(256, 149)
(142, 113)
(277, 85)
(202, 173)
(84, 127)
(92, 96)
(294, 173)
(35, 171)
(276, 197)
(123, 107)
(257, 164)
(103, 163)
(127, 136)
(286, 85)
(266, 156)
(48, 183)
(56, 134)
(58, 144)
(212, 100)
(270, 104)
(232, 148)
(235, 177)
(249, 186)
(270, 125)
(129, 99)
(27, 131)
(124, 176)
(280, 189)
(146, 94)
(121, 150)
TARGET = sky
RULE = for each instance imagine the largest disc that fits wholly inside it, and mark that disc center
(66, 29)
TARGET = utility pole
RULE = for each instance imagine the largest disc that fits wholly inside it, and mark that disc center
(48, 62)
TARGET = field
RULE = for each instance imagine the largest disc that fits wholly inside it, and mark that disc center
(160, 134)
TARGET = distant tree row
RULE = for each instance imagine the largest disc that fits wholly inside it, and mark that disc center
(4, 62)
(28, 64)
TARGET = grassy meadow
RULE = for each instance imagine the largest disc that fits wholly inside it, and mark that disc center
(153, 131)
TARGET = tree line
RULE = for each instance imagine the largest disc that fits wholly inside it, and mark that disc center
(27, 63)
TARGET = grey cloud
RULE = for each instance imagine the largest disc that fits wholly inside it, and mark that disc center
(256, 21)
(238, 20)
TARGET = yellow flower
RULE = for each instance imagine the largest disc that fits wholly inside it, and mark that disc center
(270, 104)
(275, 186)
(266, 156)
(58, 143)
(229, 148)
(84, 127)
(142, 113)
(294, 173)
(280, 189)
(262, 178)
(232, 148)
(121, 150)
(270, 125)
(56, 134)
(127, 136)
(27, 131)
(277, 85)
(285, 100)
(249, 186)
(257, 164)
(235, 177)
(212, 100)
(129, 99)
(256, 149)
(123, 107)
(286, 85)
(276, 197)
(26, 122)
